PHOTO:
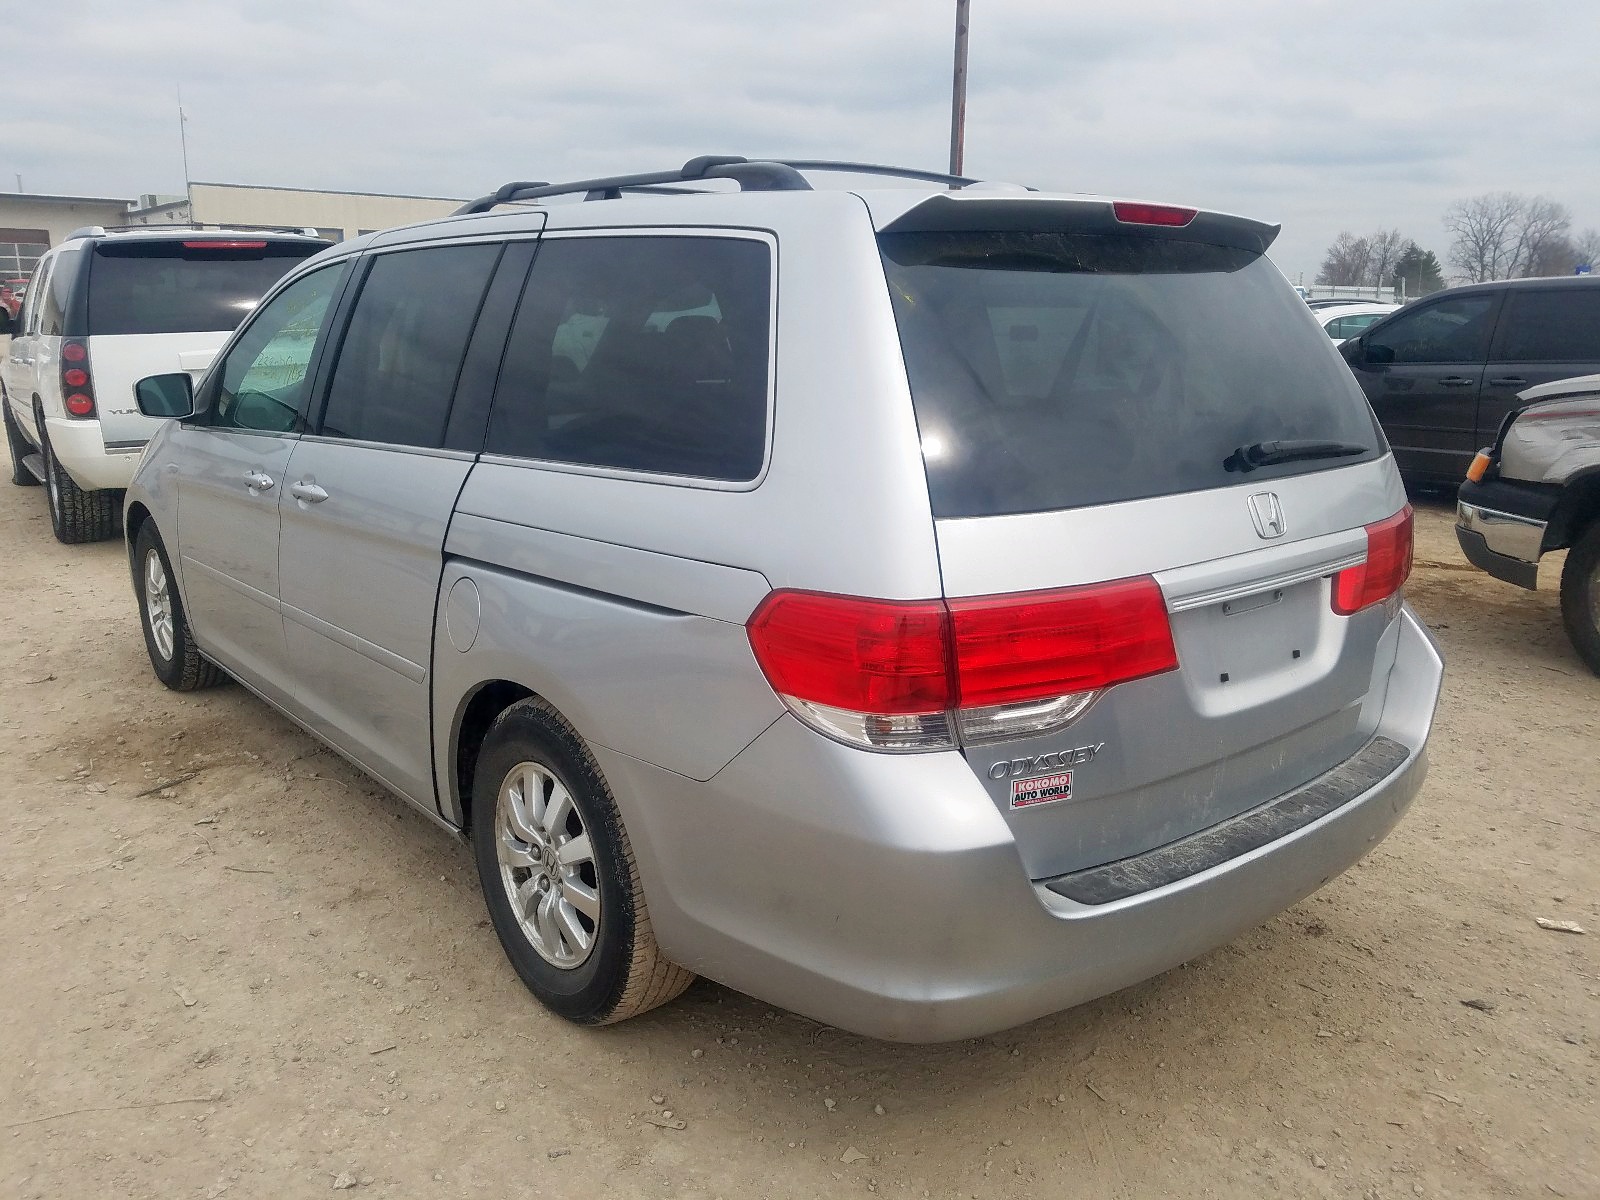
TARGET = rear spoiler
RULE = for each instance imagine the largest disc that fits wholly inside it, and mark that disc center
(945, 212)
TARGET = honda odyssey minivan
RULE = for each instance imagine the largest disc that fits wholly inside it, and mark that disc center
(924, 608)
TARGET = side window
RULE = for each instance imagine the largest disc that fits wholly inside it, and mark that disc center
(1553, 326)
(403, 350)
(263, 380)
(29, 315)
(1455, 330)
(53, 293)
(643, 354)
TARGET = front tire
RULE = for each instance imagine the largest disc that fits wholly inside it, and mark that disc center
(76, 515)
(558, 873)
(173, 655)
(1580, 596)
(19, 447)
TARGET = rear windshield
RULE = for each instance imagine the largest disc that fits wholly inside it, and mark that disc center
(167, 287)
(1053, 370)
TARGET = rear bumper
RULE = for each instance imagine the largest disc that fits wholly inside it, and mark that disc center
(884, 895)
(80, 447)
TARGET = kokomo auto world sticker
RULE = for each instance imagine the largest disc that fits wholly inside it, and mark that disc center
(1043, 790)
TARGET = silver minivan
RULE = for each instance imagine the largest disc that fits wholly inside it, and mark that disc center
(924, 607)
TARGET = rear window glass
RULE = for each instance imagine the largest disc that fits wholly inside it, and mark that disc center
(167, 287)
(1053, 370)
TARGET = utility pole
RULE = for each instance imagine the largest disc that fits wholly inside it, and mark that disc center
(958, 92)
(183, 141)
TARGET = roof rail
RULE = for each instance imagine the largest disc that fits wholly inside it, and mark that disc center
(750, 176)
(855, 168)
(86, 231)
(762, 175)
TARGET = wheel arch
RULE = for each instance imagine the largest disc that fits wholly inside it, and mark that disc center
(474, 714)
(1576, 510)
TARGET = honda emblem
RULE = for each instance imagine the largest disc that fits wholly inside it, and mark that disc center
(1267, 513)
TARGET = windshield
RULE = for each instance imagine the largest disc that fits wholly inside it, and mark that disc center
(167, 287)
(1053, 370)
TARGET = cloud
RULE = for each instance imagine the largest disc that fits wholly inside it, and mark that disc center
(1323, 115)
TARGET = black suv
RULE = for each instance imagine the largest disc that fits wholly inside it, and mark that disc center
(1443, 373)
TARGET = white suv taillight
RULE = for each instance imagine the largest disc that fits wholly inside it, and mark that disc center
(77, 384)
(932, 674)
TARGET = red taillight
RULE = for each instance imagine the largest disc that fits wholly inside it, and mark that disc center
(1153, 214)
(223, 244)
(77, 382)
(1035, 646)
(867, 656)
(866, 659)
(1388, 564)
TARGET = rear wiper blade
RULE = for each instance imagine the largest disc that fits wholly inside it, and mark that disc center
(1270, 454)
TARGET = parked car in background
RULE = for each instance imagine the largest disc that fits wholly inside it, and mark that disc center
(1537, 490)
(108, 307)
(10, 306)
(925, 609)
(1444, 371)
(1344, 321)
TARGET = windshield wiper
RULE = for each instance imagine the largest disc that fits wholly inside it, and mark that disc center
(1270, 454)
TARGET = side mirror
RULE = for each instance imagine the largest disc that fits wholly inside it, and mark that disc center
(5, 321)
(1377, 356)
(165, 395)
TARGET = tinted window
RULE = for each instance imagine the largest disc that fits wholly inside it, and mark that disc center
(167, 287)
(262, 381)
(51, 295)
(1056, 370)
(641, 353)
(1455, 330)
(1554, 326)
(402, 351)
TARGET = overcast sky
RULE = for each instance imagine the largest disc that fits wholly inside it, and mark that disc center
(1322, 115)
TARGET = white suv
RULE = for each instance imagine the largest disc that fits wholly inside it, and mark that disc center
(104, 309)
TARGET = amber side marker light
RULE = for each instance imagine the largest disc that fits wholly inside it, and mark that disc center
(1479, 467)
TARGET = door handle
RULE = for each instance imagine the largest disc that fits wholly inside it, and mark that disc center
(1507, 381)
(1456, 381)
(309, 492)
(257, 481)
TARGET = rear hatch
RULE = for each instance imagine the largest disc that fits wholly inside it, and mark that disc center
(1136, 397)
(157, 305)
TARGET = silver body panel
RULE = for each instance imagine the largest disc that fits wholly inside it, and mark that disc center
(376, 616)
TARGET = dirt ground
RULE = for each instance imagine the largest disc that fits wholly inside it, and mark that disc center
(269, 978)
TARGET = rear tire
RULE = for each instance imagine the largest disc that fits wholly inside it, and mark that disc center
(1580, 596)
(19, 446)
(559, 876)
(173, 655)
(76, 515)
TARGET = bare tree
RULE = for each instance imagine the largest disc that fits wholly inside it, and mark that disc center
(1553, 256)
(1484, 229)
(1542, 238)
(1501, 235)
(1385, 247)
(1586, 248)
(1347, 262)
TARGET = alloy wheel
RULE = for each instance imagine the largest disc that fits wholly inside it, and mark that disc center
(547, 865)
(158, 604)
